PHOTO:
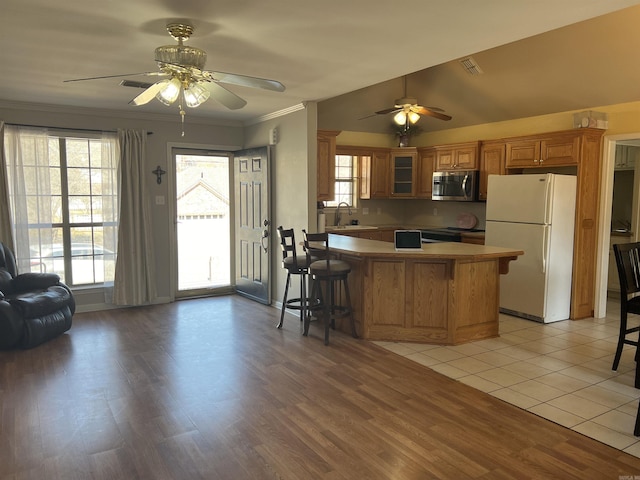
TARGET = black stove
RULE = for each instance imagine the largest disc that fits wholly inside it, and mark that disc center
(445, 234)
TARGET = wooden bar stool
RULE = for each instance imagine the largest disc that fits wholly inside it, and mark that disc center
(294, 265)
(327, 275)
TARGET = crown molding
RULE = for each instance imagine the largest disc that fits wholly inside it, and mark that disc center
(277, 114)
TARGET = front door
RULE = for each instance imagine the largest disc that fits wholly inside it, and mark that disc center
(252, 223)
(203, 221)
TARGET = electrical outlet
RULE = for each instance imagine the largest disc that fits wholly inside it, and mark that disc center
(365, 211)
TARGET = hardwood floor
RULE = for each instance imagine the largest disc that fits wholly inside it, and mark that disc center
(210, 389)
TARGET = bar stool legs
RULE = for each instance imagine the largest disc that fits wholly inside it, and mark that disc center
(330, 310)
(301, 304)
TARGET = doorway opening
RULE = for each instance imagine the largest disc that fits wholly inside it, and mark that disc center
(203, 221)
(625, 207)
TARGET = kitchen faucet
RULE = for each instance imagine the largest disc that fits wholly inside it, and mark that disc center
(337, 218)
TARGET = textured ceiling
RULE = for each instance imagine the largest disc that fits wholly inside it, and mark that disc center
(318, 50)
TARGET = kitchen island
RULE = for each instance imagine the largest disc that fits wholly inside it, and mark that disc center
(447, 293)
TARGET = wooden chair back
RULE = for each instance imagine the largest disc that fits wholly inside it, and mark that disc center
(628, 263)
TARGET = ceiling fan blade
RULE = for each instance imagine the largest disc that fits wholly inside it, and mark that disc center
(224, 96)
(431, 113)
(368, 116)
(244, 80)
(114, 76)
(148, 95)
(388, 110)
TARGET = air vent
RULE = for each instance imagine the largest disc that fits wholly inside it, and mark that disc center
(471, 66)
(134, 84)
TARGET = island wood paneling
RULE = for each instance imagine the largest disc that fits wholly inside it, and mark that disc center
(418, 297)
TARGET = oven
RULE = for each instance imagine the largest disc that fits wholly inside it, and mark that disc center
(445, 234)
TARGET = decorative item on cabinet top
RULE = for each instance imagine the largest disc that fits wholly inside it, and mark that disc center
(591, 119)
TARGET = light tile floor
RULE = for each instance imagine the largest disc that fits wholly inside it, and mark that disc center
(560, 371)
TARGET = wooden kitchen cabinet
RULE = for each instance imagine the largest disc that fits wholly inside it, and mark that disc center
(553, 150)
(326, 174)
(459, 156)
(626, 156)
(375, 174)
(403, 172)
(492, 162)
(424, 176)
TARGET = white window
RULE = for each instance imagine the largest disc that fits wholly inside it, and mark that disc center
(63, 196)
(345, 181)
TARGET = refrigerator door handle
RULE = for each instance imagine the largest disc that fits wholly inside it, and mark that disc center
(545, 249)
(547, 213)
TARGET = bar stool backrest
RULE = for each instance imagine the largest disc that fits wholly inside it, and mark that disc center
(316, 246)
(288, 247)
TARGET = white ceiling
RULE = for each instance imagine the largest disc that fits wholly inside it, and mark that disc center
(319, 50)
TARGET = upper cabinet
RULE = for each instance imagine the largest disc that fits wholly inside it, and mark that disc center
(424, 176)
(459, 156)
(375, 174)
(326, 164)
(492, 155)
(403, 172)
(552, 150)
(626, 157)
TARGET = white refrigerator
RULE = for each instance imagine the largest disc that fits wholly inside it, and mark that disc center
(534, 213)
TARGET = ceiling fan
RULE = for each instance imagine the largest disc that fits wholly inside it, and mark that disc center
(407, 111)
(185, 80)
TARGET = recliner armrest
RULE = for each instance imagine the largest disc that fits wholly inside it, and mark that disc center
(35, 281)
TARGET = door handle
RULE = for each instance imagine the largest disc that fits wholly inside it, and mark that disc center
(265, 236)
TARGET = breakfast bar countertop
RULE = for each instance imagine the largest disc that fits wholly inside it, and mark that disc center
(442, 250)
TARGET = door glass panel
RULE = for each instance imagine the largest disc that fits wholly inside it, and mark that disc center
(203, 229)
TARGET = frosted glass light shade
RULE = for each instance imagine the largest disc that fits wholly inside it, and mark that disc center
(170, 91)
(413, 117)
(400, 118)
(195, 95)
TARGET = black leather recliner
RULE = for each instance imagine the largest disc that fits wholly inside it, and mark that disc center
(34, 307)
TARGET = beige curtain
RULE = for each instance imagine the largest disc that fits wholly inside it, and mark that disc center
(6, 236)
(134, 282)
(29, 191)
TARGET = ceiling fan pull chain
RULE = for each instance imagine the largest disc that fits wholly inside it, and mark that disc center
(182, 112)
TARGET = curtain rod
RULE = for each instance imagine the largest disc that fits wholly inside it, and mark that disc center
(63, 128)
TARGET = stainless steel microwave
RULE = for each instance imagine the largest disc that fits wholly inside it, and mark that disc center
(459, 186)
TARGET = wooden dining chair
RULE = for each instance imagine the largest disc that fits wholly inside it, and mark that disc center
(628, 263)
